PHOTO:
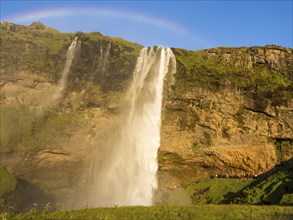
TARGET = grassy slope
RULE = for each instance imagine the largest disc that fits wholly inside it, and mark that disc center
(7, 182)
(204, 191)
(274, 187)
(166, 212)
(212, 191)
(8, 191)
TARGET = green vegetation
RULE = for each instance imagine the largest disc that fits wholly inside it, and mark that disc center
(7, 183)
(126, 44)
(179, 196)
(203, 191)
(169, 157)
(270, 188)
(287, 199)
(87, 38)
(274, 187)
(44, 52)
(36, 48)
(16, 123)
(111, 73)
(197, 69)
(96, 97)
(50, 129)
(212, 191)
(8, 188)
(284, 148)
(25, 129)
(166, 212)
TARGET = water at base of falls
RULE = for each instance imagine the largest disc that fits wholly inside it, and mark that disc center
(128, 176)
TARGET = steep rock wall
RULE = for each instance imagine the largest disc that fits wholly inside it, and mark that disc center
(229, 113)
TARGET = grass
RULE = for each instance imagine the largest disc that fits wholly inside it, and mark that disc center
(197, 69)
(43, 49)
(7, 183)
(8, 188)
(200, 192)
(274, 187)
(269, 188)
(201, 212)
(212, 191)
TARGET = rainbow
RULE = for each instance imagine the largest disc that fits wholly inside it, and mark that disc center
(104, 12)
(62, 13)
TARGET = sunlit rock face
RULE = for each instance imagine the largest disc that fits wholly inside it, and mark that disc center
(230, 113)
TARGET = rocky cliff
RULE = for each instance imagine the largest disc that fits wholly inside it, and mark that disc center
(228, 112)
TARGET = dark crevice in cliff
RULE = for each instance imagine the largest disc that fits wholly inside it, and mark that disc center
(258, 111)
(283, 139)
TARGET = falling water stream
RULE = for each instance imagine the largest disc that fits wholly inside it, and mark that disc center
(64, 75)
(103, 60)
(129, 176)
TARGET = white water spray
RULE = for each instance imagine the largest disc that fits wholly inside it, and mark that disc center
(129, 177)
(64, 75)
(104, 58)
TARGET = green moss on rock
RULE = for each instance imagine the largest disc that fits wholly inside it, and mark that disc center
(209, 69)
(7, 183)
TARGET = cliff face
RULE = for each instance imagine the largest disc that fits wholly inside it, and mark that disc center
(271, 56)
(229, 111)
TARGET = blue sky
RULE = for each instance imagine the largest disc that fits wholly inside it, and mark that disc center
(184, 24)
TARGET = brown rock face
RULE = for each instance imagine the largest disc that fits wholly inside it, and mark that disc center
(272, 56)
(228, 131)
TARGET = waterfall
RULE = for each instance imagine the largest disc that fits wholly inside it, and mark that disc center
(103, 58)
(129, 176)
(64, 75)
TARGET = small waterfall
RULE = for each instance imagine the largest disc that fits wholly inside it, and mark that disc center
(64, 75)
(129, 176)
(103, 58)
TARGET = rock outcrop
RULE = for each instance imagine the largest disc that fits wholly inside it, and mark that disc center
(271, 56)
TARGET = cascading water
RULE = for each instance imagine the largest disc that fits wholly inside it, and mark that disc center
(104, 59)
(64, 75)
(129, 176)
